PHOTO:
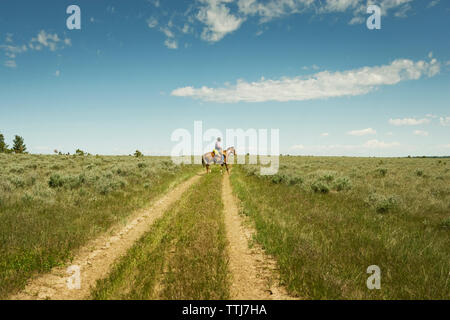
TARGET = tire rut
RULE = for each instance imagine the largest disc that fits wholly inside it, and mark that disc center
(97, 257)
(254, 273)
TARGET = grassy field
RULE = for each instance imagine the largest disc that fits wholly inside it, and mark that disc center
(325, 220)
(183, 256)
(51, 205)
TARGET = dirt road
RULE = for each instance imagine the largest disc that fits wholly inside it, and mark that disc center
(254, 274)
(96, 258)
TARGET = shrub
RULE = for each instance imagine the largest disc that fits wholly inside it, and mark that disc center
(419, 172)
(327, 176)
(277, 178)
(382, 171)
(55, 181)
(320, 186)
(142, 165)
(342, 183)
(294, 180)
(381, 203)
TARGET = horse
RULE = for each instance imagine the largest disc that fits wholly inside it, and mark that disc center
(210, 157)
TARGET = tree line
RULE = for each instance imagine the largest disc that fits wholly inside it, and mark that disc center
(17, 147)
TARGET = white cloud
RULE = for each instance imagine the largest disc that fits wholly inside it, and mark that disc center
(433, 3)
(218, 20)
(321, 85)
(408, 121)
(421, 133)
(389, 133)
(9, 37)
(325, 134)
(57, 73)
(167, 32)
(171, 44)
(298, 147)
(268, 10)
(42, 40)
(362, 132)
(152, 22)
(445, 121)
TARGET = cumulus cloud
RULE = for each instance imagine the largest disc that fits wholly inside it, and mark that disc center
(218, 19)
(298, 147)
(362, 132)
(320, 85)
(421, 133)
(325, 134)
(409, 121)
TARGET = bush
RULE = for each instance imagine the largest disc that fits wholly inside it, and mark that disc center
(142, 165)
(419, 172)
(320, 186)
(327, 176)
(381, 203)
(382, 171)
(55, 181)
(294, 180)
(278, 178)
(342, 183)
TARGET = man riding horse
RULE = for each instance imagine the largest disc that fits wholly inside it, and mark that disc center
(217, 156)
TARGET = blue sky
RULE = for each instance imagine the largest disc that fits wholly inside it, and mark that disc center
(138, 70)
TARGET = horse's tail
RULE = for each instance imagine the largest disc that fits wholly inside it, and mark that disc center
(203, 161)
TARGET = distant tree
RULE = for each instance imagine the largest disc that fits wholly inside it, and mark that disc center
(19, 145)
(3, 145)
(79, 152)
(138, 154)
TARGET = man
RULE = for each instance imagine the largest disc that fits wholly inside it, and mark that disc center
(218, 149)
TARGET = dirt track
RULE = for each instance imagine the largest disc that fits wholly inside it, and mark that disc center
(254, 274)
(97, 257)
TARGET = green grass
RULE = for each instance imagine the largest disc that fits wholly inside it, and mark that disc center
(51, 205)
(183, 256)
(325, 220)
